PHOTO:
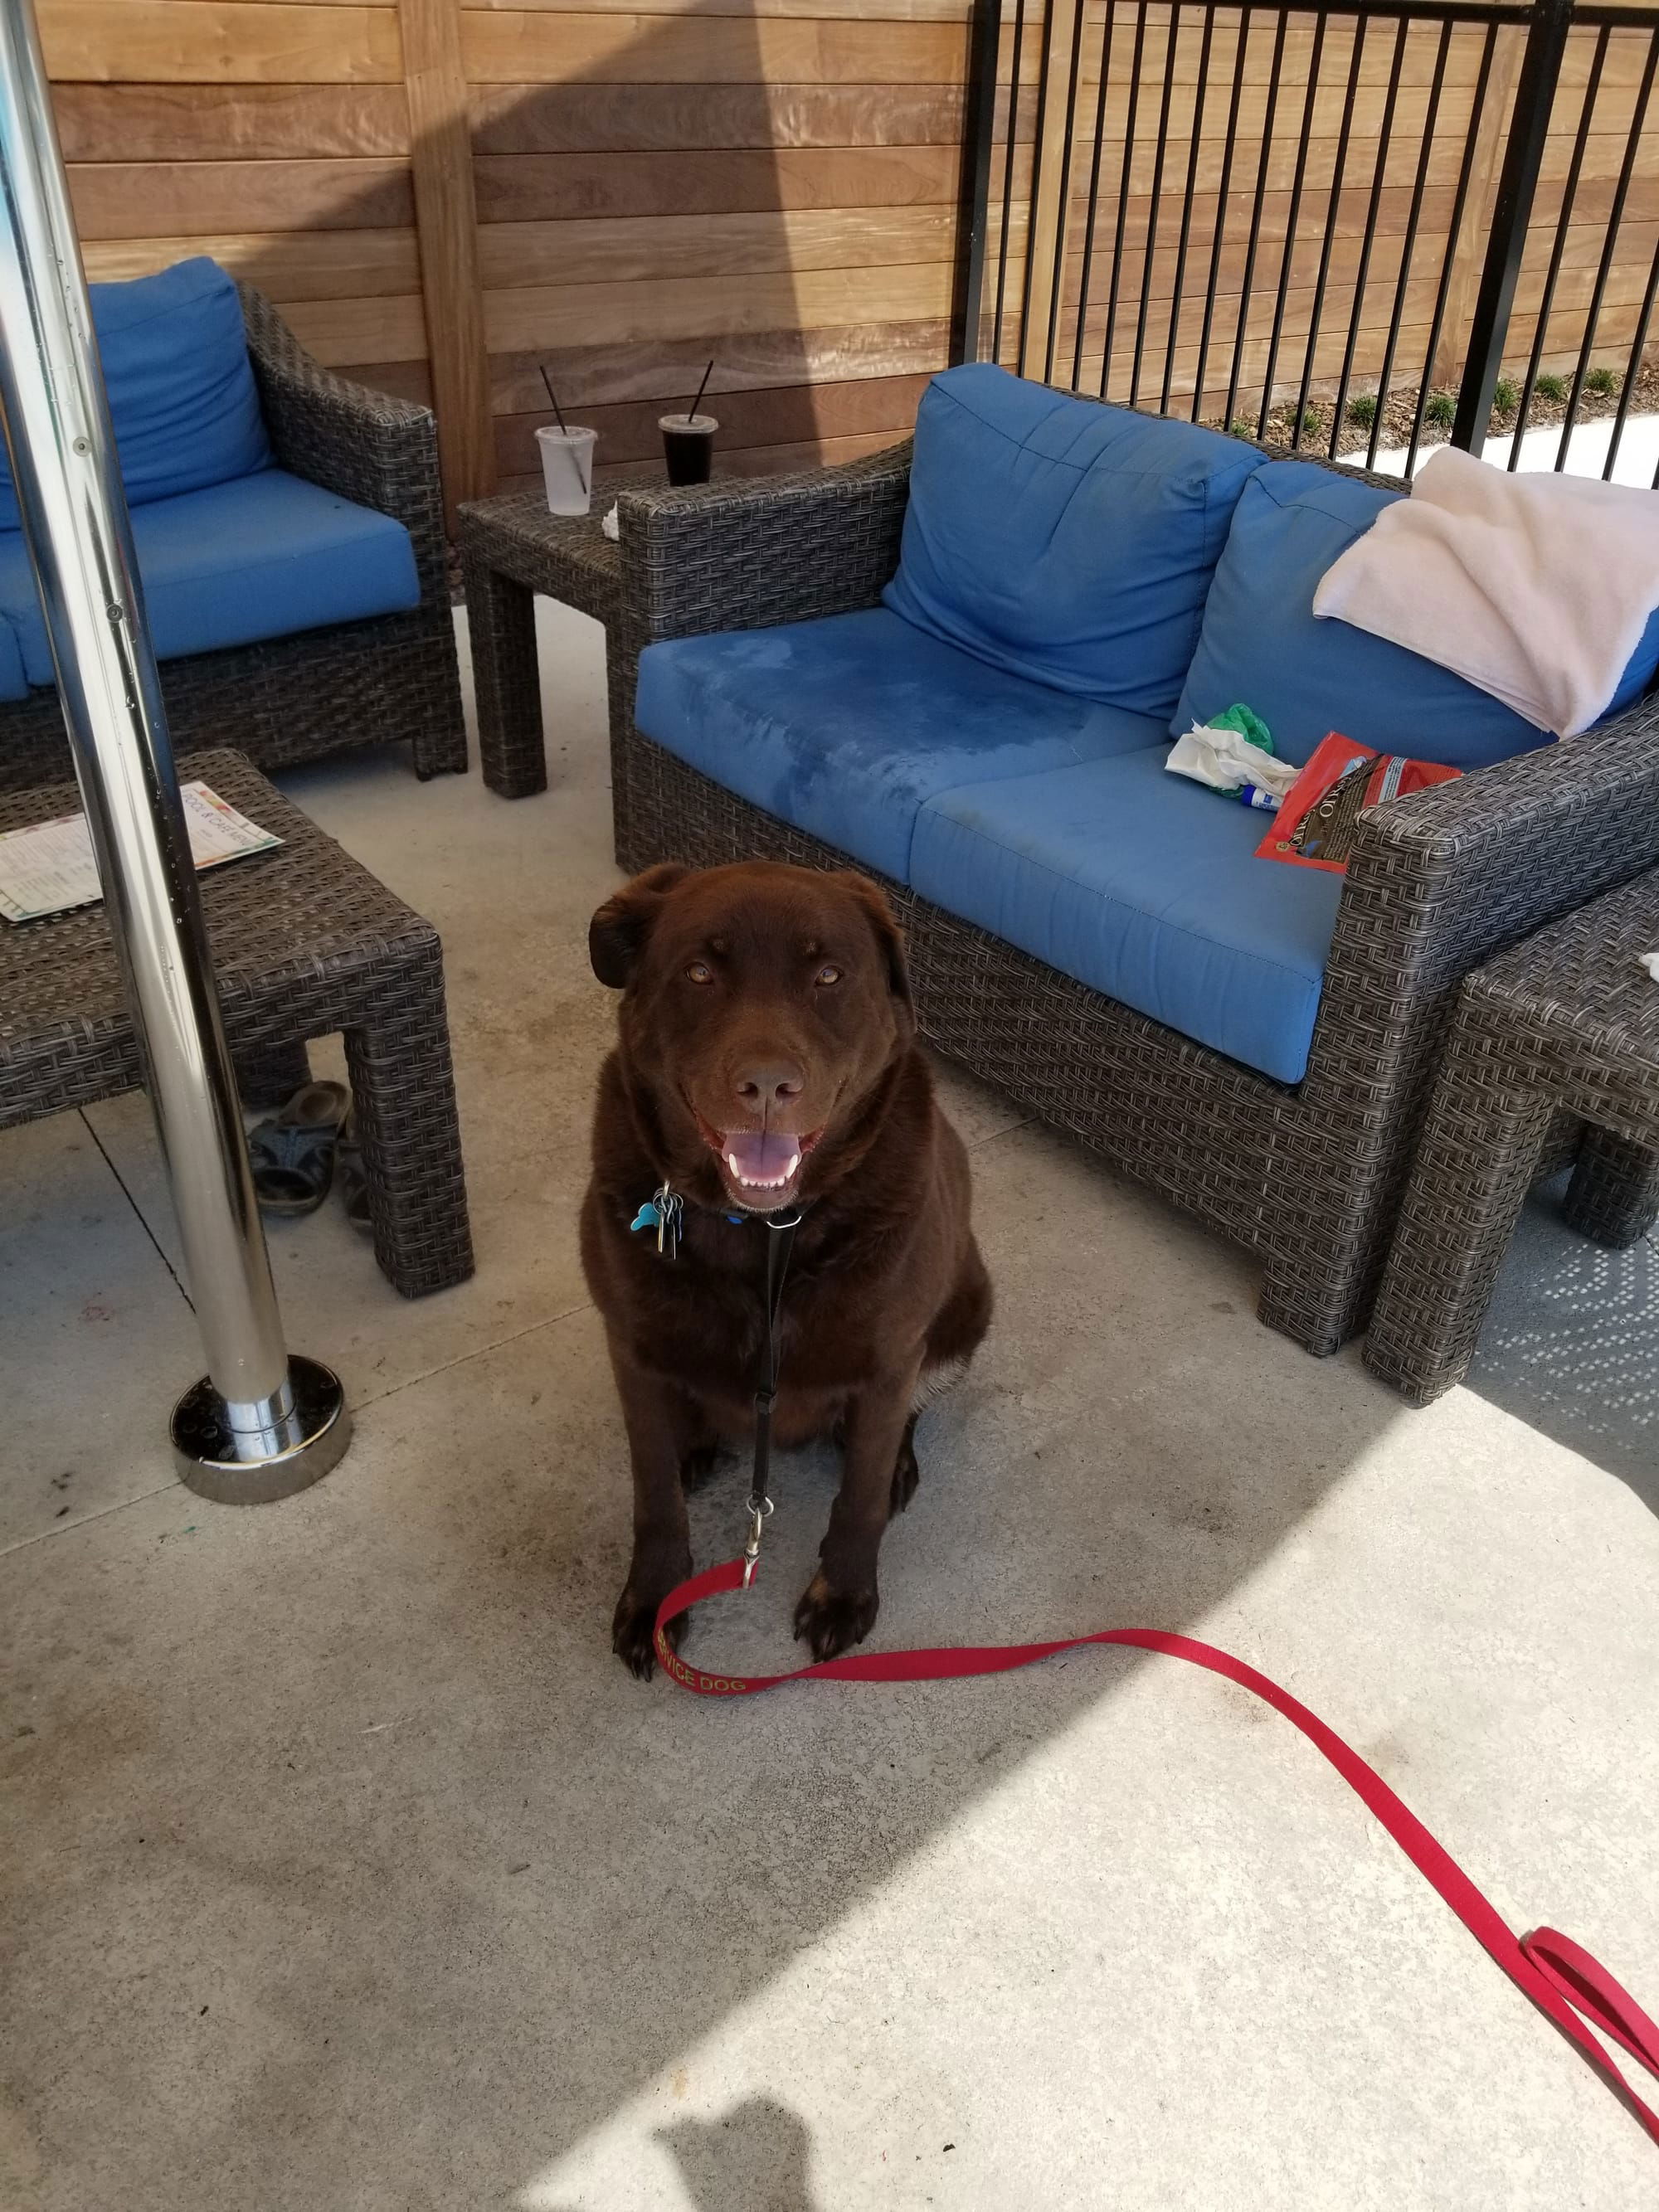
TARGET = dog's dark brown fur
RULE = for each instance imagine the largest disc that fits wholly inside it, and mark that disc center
(760, 997)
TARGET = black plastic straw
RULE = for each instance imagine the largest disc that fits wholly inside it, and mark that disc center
(553, 396)
(697, 404)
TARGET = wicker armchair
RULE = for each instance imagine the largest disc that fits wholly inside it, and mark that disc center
(298, 698)
(1310, 1175)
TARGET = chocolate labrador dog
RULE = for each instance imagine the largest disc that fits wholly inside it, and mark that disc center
(767, 1061)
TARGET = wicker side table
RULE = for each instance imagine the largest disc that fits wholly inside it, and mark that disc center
(1568, 1020)
(305, 942)
(512, 548)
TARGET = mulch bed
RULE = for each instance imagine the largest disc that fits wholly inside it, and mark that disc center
(1401, 413)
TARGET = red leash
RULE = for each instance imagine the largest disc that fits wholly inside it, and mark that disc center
(1561, 1978)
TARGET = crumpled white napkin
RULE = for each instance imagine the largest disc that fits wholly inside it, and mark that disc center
(610, 524)
(1650, 962)
(1225, 760)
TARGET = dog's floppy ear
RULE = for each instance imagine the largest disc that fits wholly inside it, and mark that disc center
(880, 914)
(617, 935)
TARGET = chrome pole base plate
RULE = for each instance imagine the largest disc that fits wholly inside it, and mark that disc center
(204, 1450)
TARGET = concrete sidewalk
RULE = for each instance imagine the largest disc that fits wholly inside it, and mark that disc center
(343, 1869)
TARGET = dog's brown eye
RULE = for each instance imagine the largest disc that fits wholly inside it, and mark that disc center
(700, 972)
(827, 976)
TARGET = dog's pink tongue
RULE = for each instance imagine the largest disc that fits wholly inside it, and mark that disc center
(760, 1157)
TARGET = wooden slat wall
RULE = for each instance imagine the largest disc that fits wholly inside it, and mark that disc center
(773, 186)
(1169, 264)
(773, 183)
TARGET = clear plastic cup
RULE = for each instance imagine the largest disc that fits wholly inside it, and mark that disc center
(567, 468)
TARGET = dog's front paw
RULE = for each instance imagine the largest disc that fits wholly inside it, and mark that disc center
(634, 1627)
(831, 1621)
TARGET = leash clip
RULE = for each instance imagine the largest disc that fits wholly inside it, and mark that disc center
(758, 1510)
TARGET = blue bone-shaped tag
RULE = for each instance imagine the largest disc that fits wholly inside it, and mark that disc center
(647, 1217)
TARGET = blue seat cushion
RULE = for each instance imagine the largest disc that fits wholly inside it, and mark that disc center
(1063, 540)
(182, 392)
(260, 557)
(1145, 885)
(845, 727)
(1260, 643)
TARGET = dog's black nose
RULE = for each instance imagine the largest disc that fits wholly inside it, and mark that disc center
(774, 1082)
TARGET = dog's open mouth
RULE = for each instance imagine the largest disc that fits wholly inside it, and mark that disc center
(761, 1168)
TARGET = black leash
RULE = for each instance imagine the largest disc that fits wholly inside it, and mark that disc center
(779, 1241)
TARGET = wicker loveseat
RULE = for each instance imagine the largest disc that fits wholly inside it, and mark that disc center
(1306, 1173)
(311, 691)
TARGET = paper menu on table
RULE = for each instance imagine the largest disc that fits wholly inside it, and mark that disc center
(49, 868)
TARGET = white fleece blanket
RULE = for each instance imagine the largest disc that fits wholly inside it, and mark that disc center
(1534, 587)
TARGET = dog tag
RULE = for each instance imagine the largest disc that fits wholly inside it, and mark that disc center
(668, 1206)
(646, 1218)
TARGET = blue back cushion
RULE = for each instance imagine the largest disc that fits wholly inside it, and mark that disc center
(1260, 643)
(181, 392)
(1066, 542)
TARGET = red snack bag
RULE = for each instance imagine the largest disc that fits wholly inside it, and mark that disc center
(1314, 827)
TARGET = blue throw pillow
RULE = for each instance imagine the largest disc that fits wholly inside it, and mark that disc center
(182, 392)
(1261, 644)
(1069, 543)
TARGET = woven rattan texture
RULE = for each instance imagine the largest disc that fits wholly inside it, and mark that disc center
(305, 942)
(392, 679)
(1309, 1177)
(511, 548)
(1570, 1019)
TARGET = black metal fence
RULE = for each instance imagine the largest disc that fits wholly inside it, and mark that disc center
(1356, 227)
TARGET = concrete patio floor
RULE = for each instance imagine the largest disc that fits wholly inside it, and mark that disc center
(343, 1869)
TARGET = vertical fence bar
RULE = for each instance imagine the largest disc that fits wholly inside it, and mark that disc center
(1101, 92)
(1518, 188)
(1194, 153)
(1158, 195)
(1373, 209)
(1447, 266)
(1339, 174)
(974, 198)
(1057, 290)
(1558, 250)
(1637, 348)
(1040, 132)
(1227, 153)
(1008, 152)
(261, 1425)
(1609, 246)
(1269, 115)
(1408, 246)
(1124, 182)
(1290, 221)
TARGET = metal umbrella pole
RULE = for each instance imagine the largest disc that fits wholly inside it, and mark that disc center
(260, 1426)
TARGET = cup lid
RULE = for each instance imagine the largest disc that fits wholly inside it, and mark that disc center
(687, 423)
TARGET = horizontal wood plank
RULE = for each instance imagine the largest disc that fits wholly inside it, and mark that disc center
(404, 379)
(359, 331)
(518, 320)
(551, 187)
(751, 461)
(328, 264)
(218, 42)
(781, 415)
(520, 118)
(122, 122)
(522, 47)
(630, 248)
(659, 369)
(911, 11)
(195, 199)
